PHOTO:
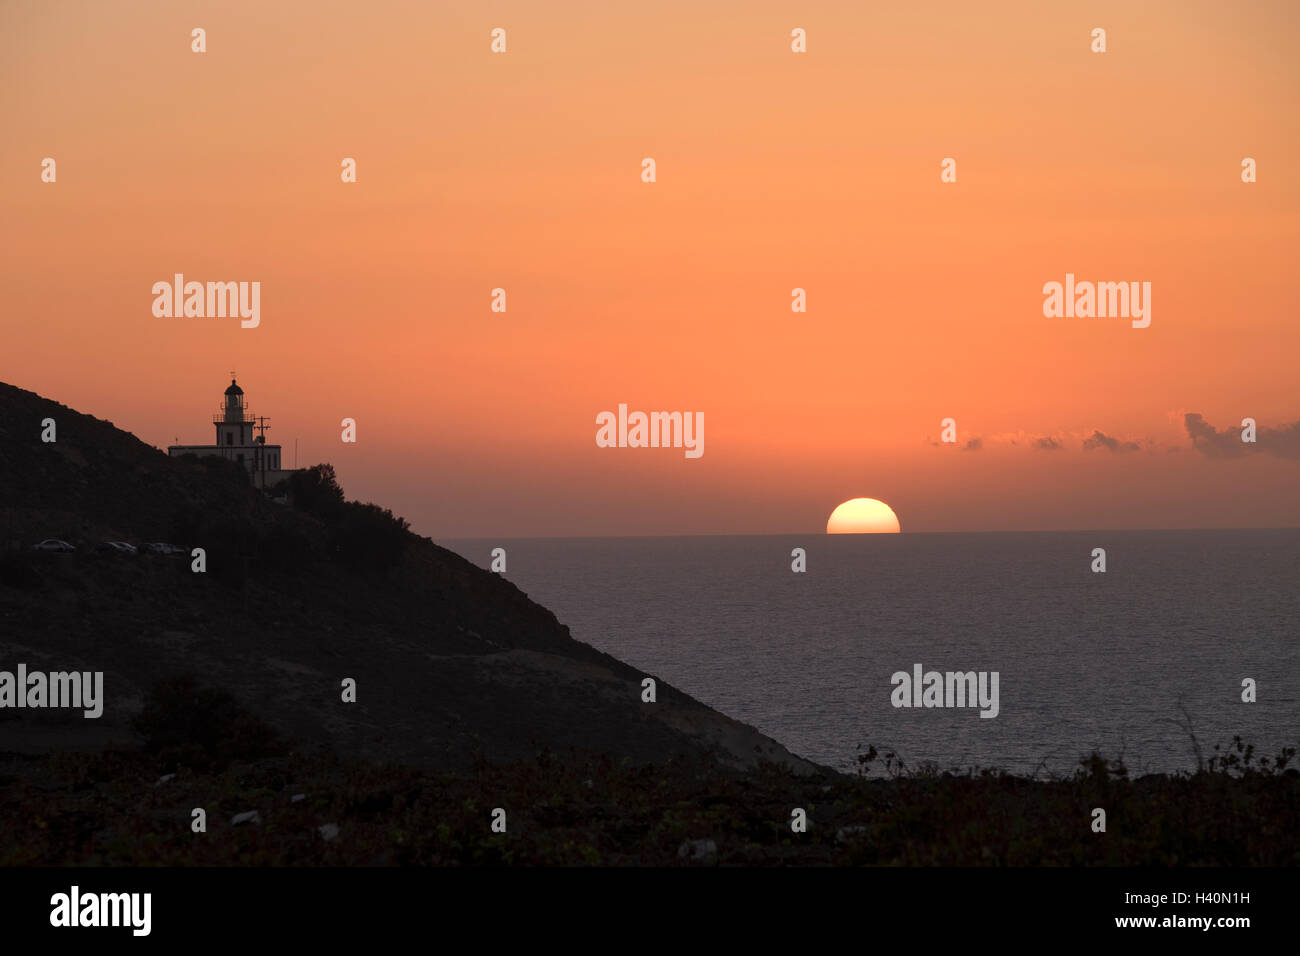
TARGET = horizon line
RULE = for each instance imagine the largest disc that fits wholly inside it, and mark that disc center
(788, 534)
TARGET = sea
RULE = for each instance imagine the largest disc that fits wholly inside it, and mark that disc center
(1144, 662)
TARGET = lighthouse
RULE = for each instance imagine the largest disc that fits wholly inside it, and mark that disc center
(236, 442)
(234, 425)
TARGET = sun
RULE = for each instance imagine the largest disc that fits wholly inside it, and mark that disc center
(863, 516)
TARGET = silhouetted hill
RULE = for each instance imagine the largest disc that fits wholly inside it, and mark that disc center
(451, 662)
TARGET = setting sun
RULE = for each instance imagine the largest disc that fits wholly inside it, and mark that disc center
(863, 516)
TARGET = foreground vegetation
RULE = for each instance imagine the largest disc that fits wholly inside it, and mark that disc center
(135, 808)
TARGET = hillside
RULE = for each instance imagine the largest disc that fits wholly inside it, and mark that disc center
(452, 663)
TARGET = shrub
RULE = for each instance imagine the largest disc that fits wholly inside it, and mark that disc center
(204, 728)
(316, 491)
(369, 536)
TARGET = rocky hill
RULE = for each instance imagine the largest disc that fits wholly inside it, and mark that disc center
(451, 663)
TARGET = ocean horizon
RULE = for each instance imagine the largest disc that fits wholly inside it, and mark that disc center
(1145, 661)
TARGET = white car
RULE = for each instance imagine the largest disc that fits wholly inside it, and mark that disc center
(161, 547)
(53, 544)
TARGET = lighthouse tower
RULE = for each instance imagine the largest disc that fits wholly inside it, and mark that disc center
(234, 424)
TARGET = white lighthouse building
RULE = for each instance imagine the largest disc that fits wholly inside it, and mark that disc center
(236, 441)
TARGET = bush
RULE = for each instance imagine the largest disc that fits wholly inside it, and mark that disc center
(216, 465)
(369, 536)
(203, 728)
(316, 491)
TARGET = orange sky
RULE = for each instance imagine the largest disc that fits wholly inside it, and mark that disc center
(775, 170)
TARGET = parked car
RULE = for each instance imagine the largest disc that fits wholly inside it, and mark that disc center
(54, 544)
(123, 547)
(162, 547)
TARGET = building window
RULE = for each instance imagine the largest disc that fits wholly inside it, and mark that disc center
(230, 438)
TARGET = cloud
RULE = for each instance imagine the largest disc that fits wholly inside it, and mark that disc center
(1099, 440)
(1048, 443)
(1283, 441)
